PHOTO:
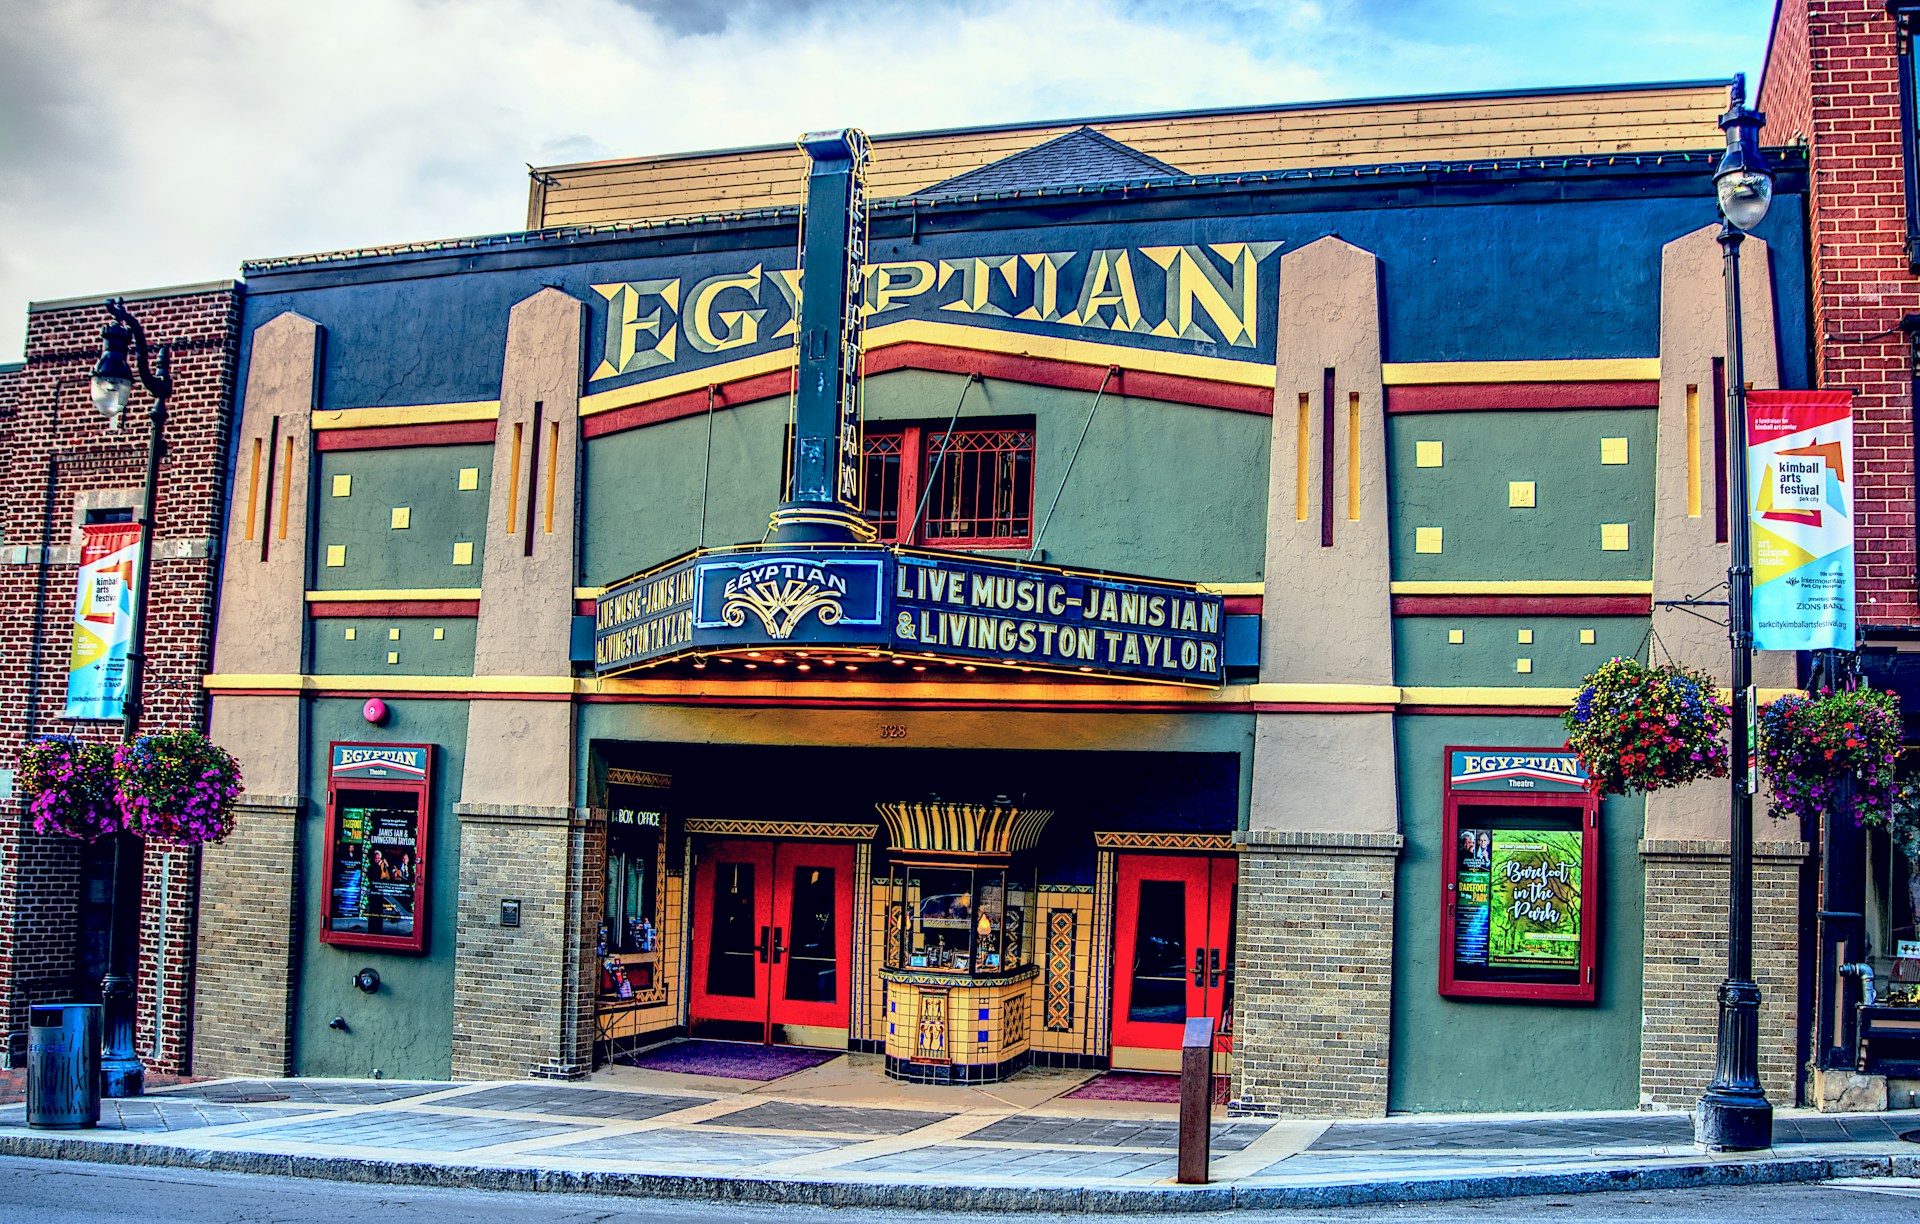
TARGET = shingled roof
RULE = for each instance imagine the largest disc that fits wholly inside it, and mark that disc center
(1081, 156)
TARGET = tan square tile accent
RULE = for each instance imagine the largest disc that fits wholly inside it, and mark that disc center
(352, 633)
(1588, 637)
(402, 518)
(393, 656)
(336, 555)
(1526, 637)
(1613, 451)
(1520, 494)
(1428, 454)
(439, 635)
(463, 552)
(1613, 537)
(1426, 539)
(1456, 637)
(469, 478)
(343, 485)
(393, 635)
(1523, 666)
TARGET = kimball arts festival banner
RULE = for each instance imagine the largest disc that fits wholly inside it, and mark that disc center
(103, 620)
(1800, 482)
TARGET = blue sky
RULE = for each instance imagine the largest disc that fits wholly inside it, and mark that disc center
(160, 144)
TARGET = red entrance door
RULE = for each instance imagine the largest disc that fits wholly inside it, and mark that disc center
(1173, 950)
(772, 931)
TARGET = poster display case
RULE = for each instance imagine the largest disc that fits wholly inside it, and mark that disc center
(379, 826)
(1520, 874)
(971, 920)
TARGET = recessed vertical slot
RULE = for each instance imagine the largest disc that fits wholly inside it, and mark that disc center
(513, 479)
(1353, 456)
(253, 488)
(553, 468)
(1326, 458)
(533, 477)
(1721, 456)
(273, 448)
(286, 490)
(1303, 457)
(1693, 450)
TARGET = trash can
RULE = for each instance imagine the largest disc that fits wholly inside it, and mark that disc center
(63, 1066)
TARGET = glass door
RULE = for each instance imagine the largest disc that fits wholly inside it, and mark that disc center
(1173, 948)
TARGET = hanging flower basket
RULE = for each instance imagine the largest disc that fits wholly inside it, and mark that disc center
(69, 788)
(1809, 746)
(177, 786)
(1639, 728)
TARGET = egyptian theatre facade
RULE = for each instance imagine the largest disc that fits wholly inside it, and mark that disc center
(1104, 576)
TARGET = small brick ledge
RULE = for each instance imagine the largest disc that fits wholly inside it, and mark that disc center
(1320, 842)
(1719, 848)
(517, 813)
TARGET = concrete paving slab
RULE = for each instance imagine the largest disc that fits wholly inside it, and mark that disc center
(142, 1114)
(562, 1101)
(409, 1130)
(998, 1164)
(677, 1146)
(835, 1119)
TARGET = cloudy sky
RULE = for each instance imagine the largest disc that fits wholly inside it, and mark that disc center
(161, 143)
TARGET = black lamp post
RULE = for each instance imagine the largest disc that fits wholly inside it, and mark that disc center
(121, 1072)
(1734, 1115)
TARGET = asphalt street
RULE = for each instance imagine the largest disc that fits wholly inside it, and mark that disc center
(60, 1192)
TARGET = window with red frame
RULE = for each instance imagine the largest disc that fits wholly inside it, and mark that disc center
(977, 485)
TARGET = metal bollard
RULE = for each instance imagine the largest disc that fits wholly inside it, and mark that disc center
(63, 1066)
(1196, 1102)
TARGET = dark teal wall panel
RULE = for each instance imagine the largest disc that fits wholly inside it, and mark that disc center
(424, 647)
(426, 481)
(1490, 649)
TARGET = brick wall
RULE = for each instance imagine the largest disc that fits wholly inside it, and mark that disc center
(1833, 76)
(1687, 961)
(517, 1012)
(55, 449)
(243, 996)
(1312, 1024)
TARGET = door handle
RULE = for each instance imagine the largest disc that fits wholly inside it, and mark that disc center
(1213, 967)
(764, 944)
(1199, 966)
(779, 948)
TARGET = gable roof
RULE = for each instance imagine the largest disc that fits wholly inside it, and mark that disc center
(1080, 156)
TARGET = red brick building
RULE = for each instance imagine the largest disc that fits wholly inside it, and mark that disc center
(61, 468)
(1839, 81)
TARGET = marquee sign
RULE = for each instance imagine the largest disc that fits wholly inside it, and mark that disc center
(875, 597)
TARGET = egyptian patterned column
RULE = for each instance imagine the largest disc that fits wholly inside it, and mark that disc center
(244, 958)
(1315, 922)
(522, 995)
(1686, 842)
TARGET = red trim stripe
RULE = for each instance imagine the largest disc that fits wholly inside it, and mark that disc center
(1308, 707)
(1485, 397)
(447, 433)
(1241, 605)
(441, 609)
(1522, 605)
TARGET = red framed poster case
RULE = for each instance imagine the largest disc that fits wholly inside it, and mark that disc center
(1504, 786)
(374, 890)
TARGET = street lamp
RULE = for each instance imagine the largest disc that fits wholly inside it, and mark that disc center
(1733, 1114)
(121, 1072)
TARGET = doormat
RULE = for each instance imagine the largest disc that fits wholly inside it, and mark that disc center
(729, 1059)
(1140, 1086)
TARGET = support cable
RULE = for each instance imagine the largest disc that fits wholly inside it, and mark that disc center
(926, 494)
(1034, 552)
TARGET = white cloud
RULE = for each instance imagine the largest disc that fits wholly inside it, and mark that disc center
(156, 144)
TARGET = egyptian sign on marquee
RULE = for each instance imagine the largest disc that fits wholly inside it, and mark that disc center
(874, 597)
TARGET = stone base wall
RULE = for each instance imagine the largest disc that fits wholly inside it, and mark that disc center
(248, 942)
(522, 1002)
(1686, 960)
(1312, 1017)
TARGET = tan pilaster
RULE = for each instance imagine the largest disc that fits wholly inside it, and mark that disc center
(518, 990)
(1318, 856)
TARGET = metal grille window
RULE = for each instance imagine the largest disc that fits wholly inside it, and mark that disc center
(976, 485)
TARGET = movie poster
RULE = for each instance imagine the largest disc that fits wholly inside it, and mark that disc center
(374, 885)
(1535, 898)
(1473, 921)
(103, 621)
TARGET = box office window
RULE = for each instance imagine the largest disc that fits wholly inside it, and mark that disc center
(378, 839)
(1520, 877)
(630, 920)
(976, 485)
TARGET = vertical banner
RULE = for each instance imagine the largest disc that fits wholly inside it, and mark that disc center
(1800, 509)
(103, 620)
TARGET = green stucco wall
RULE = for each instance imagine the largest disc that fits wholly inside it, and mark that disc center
(424, 647)
(1490, 649)
(1161, 489)
(1485, 539)
(1486, 1054)
(425, 480)
(405, 1031)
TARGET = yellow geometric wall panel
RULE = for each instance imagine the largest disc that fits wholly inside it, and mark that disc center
(1428, 454)
(336, 555)
(1587, 637)
(463, 552)
(1526, 637)
(1613, 537)
(1520, 494)
(402, 518)
(1426, 539)
(1456, 637)
(1613, 451)
(343, 485)
(469, 479)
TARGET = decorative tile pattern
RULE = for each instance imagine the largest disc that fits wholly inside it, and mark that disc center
(1163, 841)
(812, 830)
(1061, 928)
(931, 1045)
(1013, 1022)
(896, 932)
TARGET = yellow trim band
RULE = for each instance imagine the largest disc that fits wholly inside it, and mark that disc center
(1601, 369)
(396, 684)
(1325, 694)
(416, 594)
(1231, 588)
(692, 380)
(418, 414)
(1632, 586)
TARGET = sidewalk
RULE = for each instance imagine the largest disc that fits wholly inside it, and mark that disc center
(840, 1134)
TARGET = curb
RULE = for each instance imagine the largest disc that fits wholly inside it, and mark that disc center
(1061, 1199)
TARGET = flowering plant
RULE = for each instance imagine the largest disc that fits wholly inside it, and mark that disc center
(1810, 745)
(177, 786)
(69, 787)
(1641, 728)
